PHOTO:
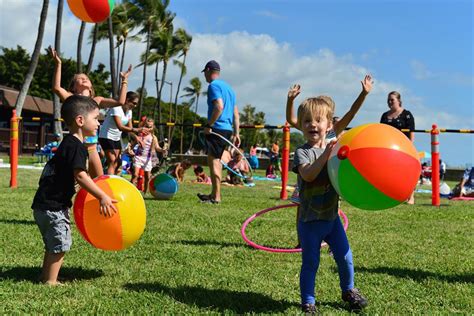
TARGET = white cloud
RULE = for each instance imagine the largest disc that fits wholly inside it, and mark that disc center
(421, 72)
(269, 14)
(259, 68)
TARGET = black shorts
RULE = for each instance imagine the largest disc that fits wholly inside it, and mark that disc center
(215, 145)
(108, 144)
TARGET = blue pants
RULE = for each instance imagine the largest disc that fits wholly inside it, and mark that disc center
(311, 235)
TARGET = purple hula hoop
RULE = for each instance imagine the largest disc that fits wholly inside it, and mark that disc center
(285, 250)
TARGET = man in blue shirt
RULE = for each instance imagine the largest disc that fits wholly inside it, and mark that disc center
(223, 119)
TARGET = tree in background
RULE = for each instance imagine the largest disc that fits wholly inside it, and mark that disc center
(249, 116)
(57, 46)
(34, 60)
(193, 91)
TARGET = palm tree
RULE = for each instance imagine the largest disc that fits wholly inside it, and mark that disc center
(164, 44)
(151, 15)
(93, 40)
(184, 43)
(113, 71)
(34, 59)
(57, 46)
(79, 47)
(193, 91)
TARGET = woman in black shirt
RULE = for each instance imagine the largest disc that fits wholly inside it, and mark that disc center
(399, 118)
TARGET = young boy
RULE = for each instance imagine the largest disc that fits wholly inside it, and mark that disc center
(56, 186)
(318, 218)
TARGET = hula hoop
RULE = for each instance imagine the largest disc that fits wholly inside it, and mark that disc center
(284, 250)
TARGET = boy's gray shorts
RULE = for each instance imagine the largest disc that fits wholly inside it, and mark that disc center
(55, 228)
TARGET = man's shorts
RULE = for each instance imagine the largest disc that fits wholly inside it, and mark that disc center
(55, 228)
(108, 144)
(215, 145)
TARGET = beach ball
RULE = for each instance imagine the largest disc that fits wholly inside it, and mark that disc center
(163, 186)
(374, 167)
(92, 11)
(119, 231)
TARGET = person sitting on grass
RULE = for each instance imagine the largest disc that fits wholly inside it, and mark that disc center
(466, 186)
(201, 176)
(239, 167)
(177, 170)
(53, 198)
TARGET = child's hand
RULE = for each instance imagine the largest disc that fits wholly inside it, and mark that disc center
(367, 84)
(330, 146)
(294, 91)
(55, 55)
(124, 75)
(107, 208)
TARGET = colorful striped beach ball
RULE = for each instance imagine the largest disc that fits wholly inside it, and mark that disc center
(119, 231)
(92, 11)
(374, 167)
(163, 186)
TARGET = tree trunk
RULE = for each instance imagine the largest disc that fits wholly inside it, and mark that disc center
(57, 128)
(119, 81)
(195, 112)
(92, 53)
(113, 73)
(79, 48)
(34, 60)
(170, 139)
(157, 89)
(163, 78)
(123, 55)
(140, 108)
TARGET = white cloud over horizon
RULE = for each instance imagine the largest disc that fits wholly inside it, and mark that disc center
(258, 67)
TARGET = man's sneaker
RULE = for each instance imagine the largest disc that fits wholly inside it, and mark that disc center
(355, 299)
(309, 309)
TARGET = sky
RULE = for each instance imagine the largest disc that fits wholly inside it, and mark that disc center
(421, 48)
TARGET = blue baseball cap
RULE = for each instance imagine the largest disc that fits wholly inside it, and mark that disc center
(212, 65)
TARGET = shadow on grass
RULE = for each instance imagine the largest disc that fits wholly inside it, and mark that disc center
(419, 275)
(216, 299)
(209, 243)
(32, 274)
(17, 221)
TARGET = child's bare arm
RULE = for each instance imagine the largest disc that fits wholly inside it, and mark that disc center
(308, 171)
(107, 207)
(347, 118)
(124, 87)
(62, 93)
(157, 146)
(292, 94)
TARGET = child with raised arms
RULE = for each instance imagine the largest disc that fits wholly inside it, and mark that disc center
(52, 200)
(81, 85)
(318, 218)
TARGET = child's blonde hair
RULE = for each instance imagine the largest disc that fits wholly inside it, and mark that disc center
(73, 83)
(319, 106)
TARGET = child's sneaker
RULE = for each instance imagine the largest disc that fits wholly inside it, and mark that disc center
(295, 197)
(355, 299)
(309, 309)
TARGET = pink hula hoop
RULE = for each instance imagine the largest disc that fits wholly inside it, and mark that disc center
(284, 250)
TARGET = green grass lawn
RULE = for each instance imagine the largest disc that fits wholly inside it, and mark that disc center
(191, 259)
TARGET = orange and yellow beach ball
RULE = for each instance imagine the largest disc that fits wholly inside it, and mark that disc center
(119, 231)
(374, 167)
(92, 11)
